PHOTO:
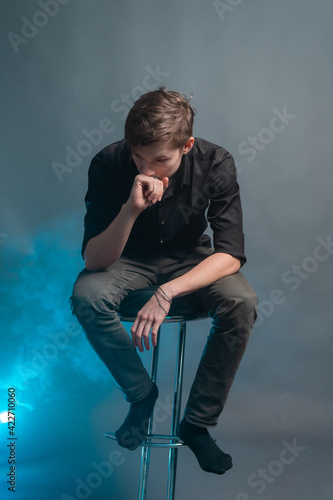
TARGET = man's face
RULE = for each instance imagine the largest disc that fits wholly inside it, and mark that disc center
(159, 160)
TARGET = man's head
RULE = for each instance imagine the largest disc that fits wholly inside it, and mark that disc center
(158, 131)
(162, 116)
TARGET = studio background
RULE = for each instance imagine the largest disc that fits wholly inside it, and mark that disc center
(261, 75)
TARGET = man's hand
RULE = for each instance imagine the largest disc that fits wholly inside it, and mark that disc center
(146, 191)
(150, 317)
(105, 248)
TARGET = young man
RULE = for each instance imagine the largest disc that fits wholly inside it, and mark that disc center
(146, 215)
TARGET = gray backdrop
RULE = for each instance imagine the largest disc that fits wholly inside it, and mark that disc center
(261, 74)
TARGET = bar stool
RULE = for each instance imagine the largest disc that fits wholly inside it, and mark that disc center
(183, 309)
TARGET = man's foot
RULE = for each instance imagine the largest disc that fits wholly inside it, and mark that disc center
(135, 427)
(209, 455)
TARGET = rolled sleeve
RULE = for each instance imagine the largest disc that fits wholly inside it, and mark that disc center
(100, 199)
(225, 211)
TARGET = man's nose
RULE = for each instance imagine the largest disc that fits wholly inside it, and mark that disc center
(147, 170)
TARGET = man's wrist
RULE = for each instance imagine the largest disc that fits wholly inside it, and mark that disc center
(170, 290)
(158, 297)
(162, 293)
(132, 210)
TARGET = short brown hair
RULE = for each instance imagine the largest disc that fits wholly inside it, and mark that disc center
(160, 116)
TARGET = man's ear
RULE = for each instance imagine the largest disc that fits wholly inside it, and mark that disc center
(188, 146)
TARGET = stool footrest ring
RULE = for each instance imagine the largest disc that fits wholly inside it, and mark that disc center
(175, 441)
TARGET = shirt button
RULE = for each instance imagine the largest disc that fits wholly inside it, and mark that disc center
(162, 222)
(161, 241)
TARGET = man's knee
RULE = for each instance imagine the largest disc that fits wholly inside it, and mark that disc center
(249, 305)
(236, 318)
(238, 301)
(89, 298)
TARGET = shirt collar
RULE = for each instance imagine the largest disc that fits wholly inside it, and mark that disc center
(182, 177)
(186, 170)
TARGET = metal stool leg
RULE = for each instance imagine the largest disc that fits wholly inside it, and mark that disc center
(171, 441)
(173, 452)
(145, 453)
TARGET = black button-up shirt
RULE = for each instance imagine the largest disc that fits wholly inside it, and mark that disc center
(206, 179)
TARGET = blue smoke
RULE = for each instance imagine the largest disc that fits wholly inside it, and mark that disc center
(44, 353)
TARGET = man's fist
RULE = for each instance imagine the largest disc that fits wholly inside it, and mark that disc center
(146, 191)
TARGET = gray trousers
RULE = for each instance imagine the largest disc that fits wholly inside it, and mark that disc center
(229, 301)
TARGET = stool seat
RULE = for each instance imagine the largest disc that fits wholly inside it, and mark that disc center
(183, 309)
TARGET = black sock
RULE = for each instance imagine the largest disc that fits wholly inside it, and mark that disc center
(209, 455)
(135, 427)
